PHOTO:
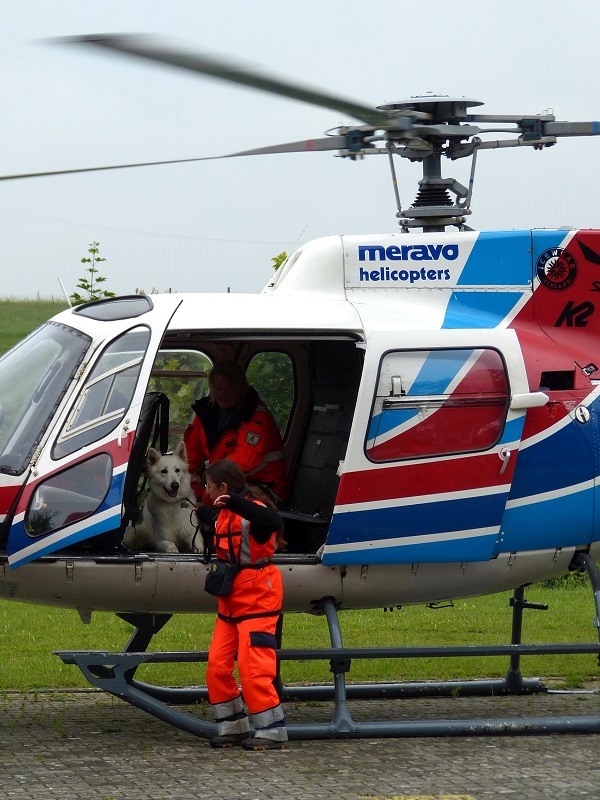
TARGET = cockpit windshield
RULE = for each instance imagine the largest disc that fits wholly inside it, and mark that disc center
(34, 376)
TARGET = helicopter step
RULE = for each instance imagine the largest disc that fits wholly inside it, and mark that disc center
(114, 673)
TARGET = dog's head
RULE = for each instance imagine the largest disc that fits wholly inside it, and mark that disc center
(168, 475)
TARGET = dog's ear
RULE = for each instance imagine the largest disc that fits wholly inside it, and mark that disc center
(152, 456)
(181, 452)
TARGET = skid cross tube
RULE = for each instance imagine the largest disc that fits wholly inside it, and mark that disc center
(114, 673)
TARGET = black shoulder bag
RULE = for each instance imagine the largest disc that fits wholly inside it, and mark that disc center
(221, 574)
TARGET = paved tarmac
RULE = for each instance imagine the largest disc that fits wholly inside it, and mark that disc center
(87, 744)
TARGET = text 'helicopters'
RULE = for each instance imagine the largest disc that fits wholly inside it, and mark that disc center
(436, 389)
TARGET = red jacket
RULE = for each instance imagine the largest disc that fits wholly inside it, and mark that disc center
(249, 436)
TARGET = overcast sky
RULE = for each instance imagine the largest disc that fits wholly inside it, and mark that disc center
(213, 225)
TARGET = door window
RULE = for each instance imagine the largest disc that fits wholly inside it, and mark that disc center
(69, 496)
(437, 402)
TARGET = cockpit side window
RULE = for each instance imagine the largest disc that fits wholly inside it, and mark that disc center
(34, 377)
(437, 402)
(107, 393)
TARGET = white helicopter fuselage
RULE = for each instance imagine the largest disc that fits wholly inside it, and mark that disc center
(439, 418)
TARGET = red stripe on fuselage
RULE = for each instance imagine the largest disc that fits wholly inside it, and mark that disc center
(425, 478)
(7, 497)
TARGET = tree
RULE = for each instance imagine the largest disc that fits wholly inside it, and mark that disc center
(279, 260)
(90, 284)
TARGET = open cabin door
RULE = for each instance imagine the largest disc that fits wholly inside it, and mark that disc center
(74, 490)
(432, 450)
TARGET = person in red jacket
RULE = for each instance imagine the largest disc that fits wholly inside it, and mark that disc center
(246, 530)
(233, 422)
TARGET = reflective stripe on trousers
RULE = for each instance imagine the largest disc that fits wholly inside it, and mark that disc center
(269, 724)
(231, 717)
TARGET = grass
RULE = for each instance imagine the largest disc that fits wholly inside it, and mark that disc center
(29, 634)
(19, 317)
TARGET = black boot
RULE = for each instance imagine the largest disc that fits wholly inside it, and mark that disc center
(229, 740)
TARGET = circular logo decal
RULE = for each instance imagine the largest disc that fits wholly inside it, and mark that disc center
(556, 269)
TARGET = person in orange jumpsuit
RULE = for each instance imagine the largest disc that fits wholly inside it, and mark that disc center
(246, 530)
(233, 422)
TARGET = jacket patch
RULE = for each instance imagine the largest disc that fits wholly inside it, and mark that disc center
(252, 438)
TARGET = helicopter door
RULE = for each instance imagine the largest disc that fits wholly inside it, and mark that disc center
(75, 491)
(423, 478)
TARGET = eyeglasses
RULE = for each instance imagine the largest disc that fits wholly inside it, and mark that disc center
(209, 486)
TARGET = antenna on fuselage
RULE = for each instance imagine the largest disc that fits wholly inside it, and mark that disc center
(67, 298)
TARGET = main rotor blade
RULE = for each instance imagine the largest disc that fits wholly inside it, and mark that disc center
(572, 128)
(548, 125)
(150, 48)
(304, 146)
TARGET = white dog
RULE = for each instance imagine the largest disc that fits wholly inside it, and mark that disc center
(165, 524)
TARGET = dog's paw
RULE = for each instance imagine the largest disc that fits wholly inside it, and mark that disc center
(167, 547)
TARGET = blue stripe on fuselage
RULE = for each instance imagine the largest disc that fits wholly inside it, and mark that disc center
(476, 548)
(499, 258)
(550, 523)
(479, 309)
(93, 529)
(563, 459)
(421, 519)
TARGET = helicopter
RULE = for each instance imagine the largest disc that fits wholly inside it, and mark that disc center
(441, 421)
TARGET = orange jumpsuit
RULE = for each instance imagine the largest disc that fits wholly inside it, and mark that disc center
(249, 436)
(246, 623)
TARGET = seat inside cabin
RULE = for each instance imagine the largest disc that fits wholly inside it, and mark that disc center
(314, 474)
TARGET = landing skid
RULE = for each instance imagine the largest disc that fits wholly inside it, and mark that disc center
(114, 673)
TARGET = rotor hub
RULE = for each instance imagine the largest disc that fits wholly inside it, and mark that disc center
(437, 107)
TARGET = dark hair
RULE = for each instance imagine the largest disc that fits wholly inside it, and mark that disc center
(227, 471)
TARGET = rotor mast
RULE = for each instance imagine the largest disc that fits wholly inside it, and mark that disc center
(438, 126)
(432, 209)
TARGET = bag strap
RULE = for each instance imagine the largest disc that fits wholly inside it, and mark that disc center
(207, 533)
(232, 557)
